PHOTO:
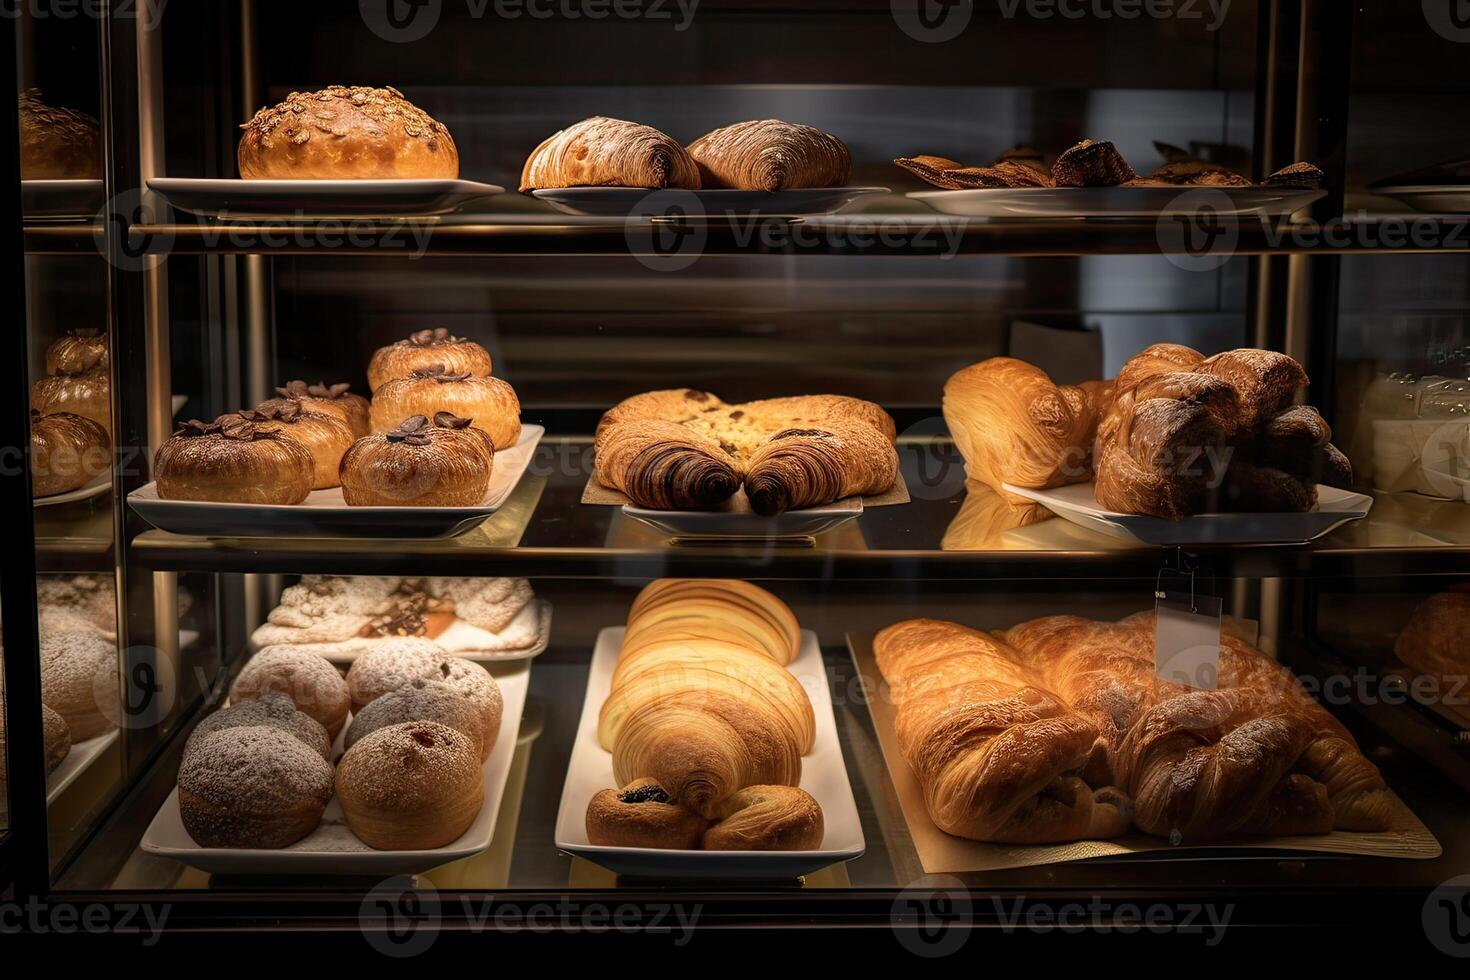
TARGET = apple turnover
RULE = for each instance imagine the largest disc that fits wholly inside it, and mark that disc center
(770, 155)
(603, 152)
(233, 460)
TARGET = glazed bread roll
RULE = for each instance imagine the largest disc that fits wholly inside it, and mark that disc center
(766, 818)
(326, 436)
(423, 349)
(310, 681)
(79, 681)
(1436, 643)
(234, 460)
(641, 815)
(411, 787)
(684, 449)
(603, 152)
(271, 710)
(253, 787)
(1012, 425)
(488, 403)
(770, 155)
(67, 452)
(444, 463)
(80, 351)
(326, 399)
(704, 715)
(57, 143)
(1257, 756)
(342, 133)
(999, 758)
(87, 393)
(429, 699)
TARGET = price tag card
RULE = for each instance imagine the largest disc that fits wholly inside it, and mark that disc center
(1187, 639)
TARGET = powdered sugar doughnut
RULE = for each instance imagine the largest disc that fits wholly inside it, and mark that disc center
(272, 710)
(311, 682)
(252, 787)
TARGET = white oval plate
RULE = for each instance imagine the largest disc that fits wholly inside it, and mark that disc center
(311, 199)
(95, 487)
(1431, 198)
(1117, 202)
(621, 202)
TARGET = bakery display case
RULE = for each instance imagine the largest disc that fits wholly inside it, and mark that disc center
(867, 466)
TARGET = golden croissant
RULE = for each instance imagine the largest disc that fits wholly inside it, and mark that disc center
(770, 155)
(706, 713)
(603, 152)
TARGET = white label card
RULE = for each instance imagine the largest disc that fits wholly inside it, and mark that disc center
(1187, 639)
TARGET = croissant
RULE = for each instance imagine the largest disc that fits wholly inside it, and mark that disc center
(798, 468)
(426, 348)
(665, 465)
(88, 394)
(235, 460)
(1012, 425)
(770, 155)
(1436, 642)
(443, 463)
(67, 451)
(336, 399)
(603, 152)
(725, 609)
(79, 351)
(998, 757)
(489, 403)
(766, 818)
(327, 437)
(808, 447)
(1255, 757)
(704, 715)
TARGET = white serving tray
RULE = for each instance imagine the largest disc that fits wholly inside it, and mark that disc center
(624, 201)
(1430, 198)
(823, 775)
(1076, 503)
(1116, 202)
(731, 523)
(467, 641)
(61, 198)
(95, 487)
(82, 755)
(319, 198)
(325, 514)
(331, 848)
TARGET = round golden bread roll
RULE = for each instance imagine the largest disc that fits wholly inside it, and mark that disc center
(342, 133)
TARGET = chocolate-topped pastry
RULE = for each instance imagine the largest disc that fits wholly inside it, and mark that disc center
(423, 348)
(81, 350)
(67, 452)
(234, 459)
(326, 436)
(420, 463)
(337, 399)
(489, 403)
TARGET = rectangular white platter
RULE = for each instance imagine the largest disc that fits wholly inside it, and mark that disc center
(634, 202)
(228, 198)
(744, 523)
(823, 775)
(1117, 202)
(1076, 503)
(325, 514)
(332, 849)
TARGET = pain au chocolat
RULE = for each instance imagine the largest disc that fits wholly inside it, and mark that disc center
(233, 460)
(489, 403)
(427, 348)
(420, 463)
(337, 399)
(346, 133)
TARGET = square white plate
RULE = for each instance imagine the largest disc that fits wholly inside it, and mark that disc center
(732, 523)
(332, 849)
(318, 198)
(620, 202)
(823, 775)
(1117, 202)
(1076, 503)
(325, 514)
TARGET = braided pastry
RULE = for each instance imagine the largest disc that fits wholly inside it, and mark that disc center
(688, 450)
(770, 155)
(603, 152)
